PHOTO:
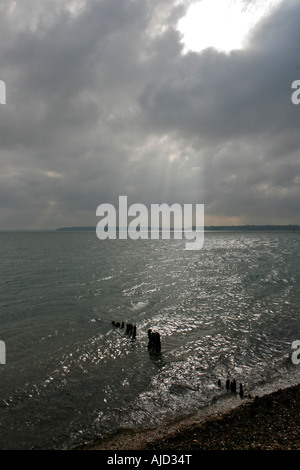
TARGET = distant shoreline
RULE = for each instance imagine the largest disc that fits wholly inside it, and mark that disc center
(248, 228)
(209, 228)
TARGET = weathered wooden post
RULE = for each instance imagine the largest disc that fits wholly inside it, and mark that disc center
(157, 345)
(233, 386)
(150, 342)
(154, 344)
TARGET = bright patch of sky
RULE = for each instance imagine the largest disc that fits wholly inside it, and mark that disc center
(222, 24)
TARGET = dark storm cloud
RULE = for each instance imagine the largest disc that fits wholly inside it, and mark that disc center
(236, 108)
(102, 102)
(222, 96)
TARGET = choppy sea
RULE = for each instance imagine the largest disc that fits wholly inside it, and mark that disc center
(229, 310)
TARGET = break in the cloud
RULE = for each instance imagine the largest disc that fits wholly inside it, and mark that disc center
(103, 101)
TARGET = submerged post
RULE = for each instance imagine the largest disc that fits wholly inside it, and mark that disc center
(154, 344)
(233, 386)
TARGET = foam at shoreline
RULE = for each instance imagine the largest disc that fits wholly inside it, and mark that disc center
(268, 422)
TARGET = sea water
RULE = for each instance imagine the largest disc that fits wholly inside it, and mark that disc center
(227, 311)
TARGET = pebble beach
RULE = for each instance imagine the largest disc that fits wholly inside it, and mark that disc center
(267, 422)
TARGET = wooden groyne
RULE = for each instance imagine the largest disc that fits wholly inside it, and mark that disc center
(154, 344)
(154, 348)
(130, 329)
(154, 341)
(232, 386)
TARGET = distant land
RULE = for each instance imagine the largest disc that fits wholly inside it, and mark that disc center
(216, 228)
(207, 228)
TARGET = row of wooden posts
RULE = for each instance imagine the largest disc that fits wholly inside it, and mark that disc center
(154, 346)
(231, 385)
(130, 328)
(154, 343)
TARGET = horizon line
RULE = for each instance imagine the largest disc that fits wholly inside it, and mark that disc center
(145, 229)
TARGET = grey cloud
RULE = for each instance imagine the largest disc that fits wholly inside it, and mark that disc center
(223, 96)
(104, 103)
(241, 103)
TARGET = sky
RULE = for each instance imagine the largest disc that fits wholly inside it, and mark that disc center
(165, 101)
